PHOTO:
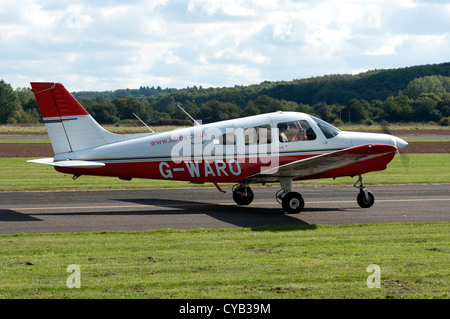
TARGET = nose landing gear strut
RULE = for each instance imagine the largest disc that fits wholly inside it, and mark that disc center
(365, 198)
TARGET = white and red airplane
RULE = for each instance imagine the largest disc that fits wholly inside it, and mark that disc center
(275, 147)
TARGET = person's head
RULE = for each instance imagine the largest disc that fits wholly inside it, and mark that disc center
(283, 127)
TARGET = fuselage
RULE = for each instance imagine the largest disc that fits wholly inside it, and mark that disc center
(227, 151)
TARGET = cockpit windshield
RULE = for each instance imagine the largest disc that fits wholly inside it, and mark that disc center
(327, 129)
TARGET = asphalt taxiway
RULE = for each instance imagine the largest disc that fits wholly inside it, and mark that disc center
(134, 210)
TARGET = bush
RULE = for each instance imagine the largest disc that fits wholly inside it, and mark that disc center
(338, 123)
(445, 121)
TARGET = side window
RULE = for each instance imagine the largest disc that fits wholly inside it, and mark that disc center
(258, 135)
(295, 131)
(327, 129)
(252, 135)
(225, 139)
(264, 134)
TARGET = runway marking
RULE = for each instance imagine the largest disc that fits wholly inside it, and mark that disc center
(388, 200)
(221, 203)
(78, 207)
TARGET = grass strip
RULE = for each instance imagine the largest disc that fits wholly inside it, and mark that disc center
(24, 140)
(311, 261)
(18, 175)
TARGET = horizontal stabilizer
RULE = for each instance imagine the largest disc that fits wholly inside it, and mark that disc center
(68, 163)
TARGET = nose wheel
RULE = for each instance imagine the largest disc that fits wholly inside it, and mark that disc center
(365, 198)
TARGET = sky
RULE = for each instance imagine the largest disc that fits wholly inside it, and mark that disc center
(100, 45)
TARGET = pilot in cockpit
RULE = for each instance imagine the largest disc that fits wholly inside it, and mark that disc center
(287, 135)
(283, 128)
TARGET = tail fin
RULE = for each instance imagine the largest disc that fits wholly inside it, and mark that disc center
(69, 125)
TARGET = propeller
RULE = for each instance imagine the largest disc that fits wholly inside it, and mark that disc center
(398, 143)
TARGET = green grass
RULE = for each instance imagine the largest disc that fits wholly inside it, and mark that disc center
(404, 169)
(414, 169)
(311, 261)
(279, 262)
(18, 175)
(24, 140)
(287, 262)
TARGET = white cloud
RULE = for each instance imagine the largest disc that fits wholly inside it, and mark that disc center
(76, 19)
(388, 47)
(90, 45)
(227, 7)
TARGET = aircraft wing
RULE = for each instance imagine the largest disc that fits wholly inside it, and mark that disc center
(321, 164)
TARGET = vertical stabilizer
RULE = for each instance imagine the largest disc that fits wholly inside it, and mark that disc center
(69, 125)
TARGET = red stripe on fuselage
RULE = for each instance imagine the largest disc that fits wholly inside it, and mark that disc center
(220, 171)
(197, 171)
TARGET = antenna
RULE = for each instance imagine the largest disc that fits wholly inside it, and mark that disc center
(195, 122)
(144, 123)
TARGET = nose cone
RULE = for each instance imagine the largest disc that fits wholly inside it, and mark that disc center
(399, 143)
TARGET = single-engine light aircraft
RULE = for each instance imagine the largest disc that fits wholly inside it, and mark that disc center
(275, 147)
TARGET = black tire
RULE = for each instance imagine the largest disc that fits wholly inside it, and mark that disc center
(363, 202)
(241, 197)
(293, 203)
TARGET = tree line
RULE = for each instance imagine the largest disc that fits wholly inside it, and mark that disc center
(414, 94)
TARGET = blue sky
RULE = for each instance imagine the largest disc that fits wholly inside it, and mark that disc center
(109, 44)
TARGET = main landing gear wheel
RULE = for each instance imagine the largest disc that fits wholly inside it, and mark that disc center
(242, 195)
(365, 198)
(292, 203)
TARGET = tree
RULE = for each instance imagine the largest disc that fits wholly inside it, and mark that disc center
(436, 84)
(214, 111)
(105, 113)
(251, 109)
(126, 106)
(392, 111)
(30, 108)
(406, 109)
(376, 110)
(425, 108)
(9, 104)
(24, 95)
(444, 105)
(265, 104)
(325, 112)
(398, 109)
(356, 110)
